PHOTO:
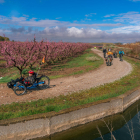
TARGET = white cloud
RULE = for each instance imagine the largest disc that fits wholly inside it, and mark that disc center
(129, 17)
(56, 30)
(25, 21)
(126, 29)
(74, 34)
(135, 0)
(90, 15)
(4, 31)
(110, 15)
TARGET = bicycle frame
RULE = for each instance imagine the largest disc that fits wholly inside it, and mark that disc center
(120, 56)
(31, 87)
(109, 58)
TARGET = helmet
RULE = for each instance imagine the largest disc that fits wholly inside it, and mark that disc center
(31, 72)
(109, 49)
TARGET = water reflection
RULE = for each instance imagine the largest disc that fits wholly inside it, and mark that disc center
(123, 126)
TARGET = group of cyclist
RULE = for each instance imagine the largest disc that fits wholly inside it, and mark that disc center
(110, 54)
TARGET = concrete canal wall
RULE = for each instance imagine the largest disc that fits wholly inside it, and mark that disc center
(49, 123)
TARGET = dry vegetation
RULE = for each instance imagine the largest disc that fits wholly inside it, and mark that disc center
(132, 49)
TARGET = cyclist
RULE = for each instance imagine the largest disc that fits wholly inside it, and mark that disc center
(110, 54)
(115, 54)
(104, 51)
(30, 79)
(121, 53)
(27, 81)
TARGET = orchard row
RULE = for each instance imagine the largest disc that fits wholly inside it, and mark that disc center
(24, 54)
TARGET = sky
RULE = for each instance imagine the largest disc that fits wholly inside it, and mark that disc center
(71, 20)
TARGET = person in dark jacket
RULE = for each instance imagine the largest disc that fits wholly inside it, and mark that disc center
(27, 81)
(115, 54)
(104, 51)
(30, 79)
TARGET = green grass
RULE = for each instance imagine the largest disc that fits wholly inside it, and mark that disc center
(79, 61)
(106, 91)
(13, 74)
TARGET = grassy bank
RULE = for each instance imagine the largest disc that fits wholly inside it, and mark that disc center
(114, 89)
(72, 66)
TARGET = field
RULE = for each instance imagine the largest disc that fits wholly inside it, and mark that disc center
(70, 66)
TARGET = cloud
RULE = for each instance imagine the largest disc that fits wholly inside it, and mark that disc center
(4, 31)
(129, 17)
(73, 34)
(110, 15)
(2, 1)
(73, 31)
(126, 29)
(135, 0)
(22, 29)
(24, 21)
(90, 15)
(29, 29)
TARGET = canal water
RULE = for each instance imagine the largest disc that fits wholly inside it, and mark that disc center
(123, 126)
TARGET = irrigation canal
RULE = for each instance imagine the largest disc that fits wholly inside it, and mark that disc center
(125, 126)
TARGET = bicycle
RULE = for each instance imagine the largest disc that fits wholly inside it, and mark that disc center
(109, 61)
(20, 88)
(120, 55)
(115, 55)
(104, 55)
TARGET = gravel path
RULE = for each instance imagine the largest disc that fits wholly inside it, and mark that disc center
(63, 86)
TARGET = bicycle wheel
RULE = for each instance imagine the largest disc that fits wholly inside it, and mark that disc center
(19, 89)
(43, 82)
(107, 62)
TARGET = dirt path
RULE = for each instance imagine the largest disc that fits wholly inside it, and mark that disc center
(63, 86)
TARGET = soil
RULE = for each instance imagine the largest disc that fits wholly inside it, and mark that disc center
(67, 85)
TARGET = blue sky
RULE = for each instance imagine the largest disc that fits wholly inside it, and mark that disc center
(71, 20)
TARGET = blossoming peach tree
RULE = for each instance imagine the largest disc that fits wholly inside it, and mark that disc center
(26, 54)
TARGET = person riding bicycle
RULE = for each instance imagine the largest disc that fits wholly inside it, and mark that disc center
(110, 54)
(30, 79)
(104, 51)
(121, 53)
(27, 81)
(115, 54)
